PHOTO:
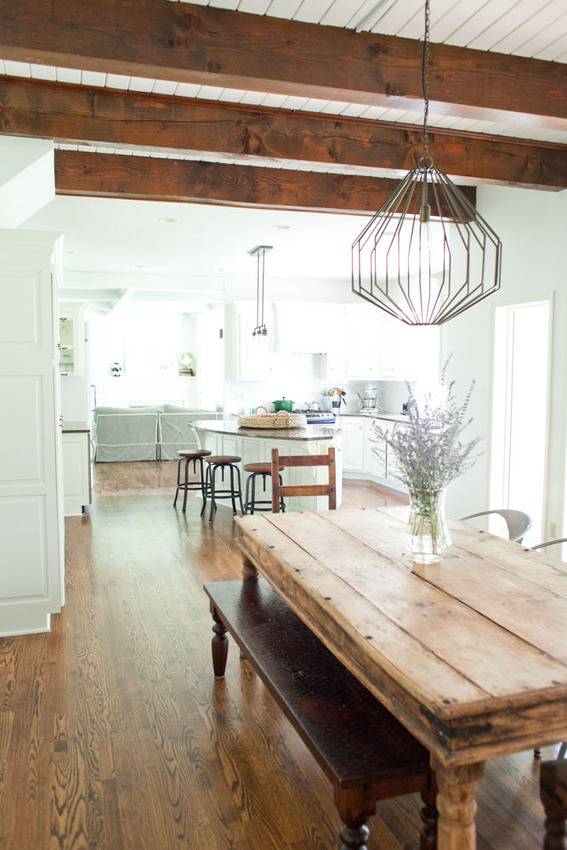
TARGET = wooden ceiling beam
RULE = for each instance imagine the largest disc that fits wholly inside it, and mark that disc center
(79, 114)
(201, 44)
(145, 178)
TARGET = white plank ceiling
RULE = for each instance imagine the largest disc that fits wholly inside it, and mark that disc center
(533, 28)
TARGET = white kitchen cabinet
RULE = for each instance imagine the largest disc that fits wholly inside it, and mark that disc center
(76, 471)
(363, 342)
(31, 487)
(360, 461)
(352, 428)
(374, 462)
(379, 347)
(248, 357)
(306, 328)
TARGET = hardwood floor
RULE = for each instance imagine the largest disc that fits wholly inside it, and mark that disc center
(114, 736)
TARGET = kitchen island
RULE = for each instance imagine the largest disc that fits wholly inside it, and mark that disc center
(254, 445)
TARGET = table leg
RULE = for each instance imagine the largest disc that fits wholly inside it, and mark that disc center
(456, 803)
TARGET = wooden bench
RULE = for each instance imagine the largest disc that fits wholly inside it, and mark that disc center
(364, 751)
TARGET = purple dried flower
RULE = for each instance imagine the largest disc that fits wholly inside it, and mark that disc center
(429, 450)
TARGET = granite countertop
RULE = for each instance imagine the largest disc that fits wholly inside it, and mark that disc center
(230, 426)
(391, 417)
(76, 428)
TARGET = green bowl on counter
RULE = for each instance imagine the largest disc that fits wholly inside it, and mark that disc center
(283, 404)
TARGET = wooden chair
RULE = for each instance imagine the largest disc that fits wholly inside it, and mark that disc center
(279, 490)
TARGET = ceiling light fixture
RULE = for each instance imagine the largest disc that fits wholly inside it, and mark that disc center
(427, 254)
(260, 253)
(168, 220)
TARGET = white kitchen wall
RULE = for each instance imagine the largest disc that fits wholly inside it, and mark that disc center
(533, 228)
(147, 342)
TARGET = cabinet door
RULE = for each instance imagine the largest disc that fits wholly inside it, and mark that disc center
(248, 357)
(76, 473)
(352, 428)
(363, 341)
(374, 451)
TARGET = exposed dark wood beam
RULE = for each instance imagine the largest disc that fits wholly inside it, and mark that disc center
(81, 114)
(143, 178)
(177, 41)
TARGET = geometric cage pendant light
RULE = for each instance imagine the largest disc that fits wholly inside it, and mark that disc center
(427, 254)
(260, 253)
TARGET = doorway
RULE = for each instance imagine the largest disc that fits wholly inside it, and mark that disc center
(520, 411)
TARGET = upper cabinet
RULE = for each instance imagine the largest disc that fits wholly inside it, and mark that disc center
(305, 328)
(379, 347)
(248, 358)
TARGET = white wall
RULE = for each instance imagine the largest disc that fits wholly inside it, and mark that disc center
(533, 228)
(147, 340)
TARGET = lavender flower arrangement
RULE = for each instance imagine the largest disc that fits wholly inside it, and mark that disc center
(430, 453)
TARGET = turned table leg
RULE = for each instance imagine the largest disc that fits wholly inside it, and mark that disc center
(553, 792)
(456, 804)
(219, 645)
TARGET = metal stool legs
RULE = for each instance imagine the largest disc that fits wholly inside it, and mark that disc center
(251, 504)
(185, 484)
(233, 492)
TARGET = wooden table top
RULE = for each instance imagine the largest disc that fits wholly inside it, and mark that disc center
(470, 654)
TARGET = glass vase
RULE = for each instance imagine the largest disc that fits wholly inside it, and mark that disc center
(428, 530)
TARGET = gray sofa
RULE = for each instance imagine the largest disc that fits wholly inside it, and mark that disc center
(145, 433)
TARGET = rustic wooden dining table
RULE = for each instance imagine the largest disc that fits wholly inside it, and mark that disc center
(469, 654)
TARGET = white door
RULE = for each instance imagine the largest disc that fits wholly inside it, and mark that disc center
(520, 413)
(31, 585)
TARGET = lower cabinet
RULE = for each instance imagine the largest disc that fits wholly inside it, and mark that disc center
(76, 472)
(365, 454)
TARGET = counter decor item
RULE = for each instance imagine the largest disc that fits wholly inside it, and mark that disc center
(368, 399)
(430, 454)
(282, 419)
(337, 396)
(283, 404)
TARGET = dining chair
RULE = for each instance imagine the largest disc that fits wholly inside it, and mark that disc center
(279, 490)
(517, 522)
(563, 747)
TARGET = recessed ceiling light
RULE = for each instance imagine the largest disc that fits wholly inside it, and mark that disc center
(168, 220)
(282, 226)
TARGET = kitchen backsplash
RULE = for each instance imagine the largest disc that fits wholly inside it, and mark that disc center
(303, 378)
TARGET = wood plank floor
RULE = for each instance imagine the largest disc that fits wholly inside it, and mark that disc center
(114, 736)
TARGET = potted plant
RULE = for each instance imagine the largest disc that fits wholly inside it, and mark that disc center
(430, 453)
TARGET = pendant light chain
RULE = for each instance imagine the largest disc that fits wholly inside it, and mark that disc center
(425, 67)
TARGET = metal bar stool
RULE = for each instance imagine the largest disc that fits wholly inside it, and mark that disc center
(251, 504)
(224, 463)
(195, 455)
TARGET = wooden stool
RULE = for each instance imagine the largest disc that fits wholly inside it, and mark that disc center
(186, 457)
(222, 462)
(251, 504)
(365, 752)
(553, 792)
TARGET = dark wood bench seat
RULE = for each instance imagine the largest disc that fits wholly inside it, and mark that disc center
(364, 751)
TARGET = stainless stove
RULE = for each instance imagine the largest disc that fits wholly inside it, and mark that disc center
(318, 417)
